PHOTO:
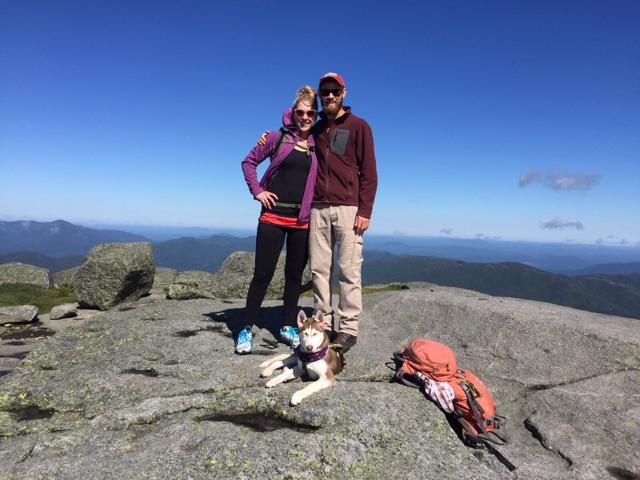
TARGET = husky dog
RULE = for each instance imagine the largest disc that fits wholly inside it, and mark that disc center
(312, 358)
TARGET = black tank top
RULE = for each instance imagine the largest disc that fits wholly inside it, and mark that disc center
(289, 181)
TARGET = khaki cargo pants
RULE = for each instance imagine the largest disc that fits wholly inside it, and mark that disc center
(332, 225)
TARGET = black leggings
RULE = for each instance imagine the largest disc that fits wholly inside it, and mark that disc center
(269, 242)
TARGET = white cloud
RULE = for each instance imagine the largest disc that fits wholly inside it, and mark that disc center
(564, 182)
(529, 177)
(560, 181)
(560, 224)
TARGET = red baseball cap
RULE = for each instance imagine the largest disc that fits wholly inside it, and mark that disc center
(332, 76)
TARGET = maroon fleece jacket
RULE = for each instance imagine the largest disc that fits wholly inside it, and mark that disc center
(346, 163)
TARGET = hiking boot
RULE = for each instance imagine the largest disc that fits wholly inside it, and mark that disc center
(344, 342)
(290, 336)
(244, 343)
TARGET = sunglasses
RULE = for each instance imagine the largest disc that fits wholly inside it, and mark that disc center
(324, 92)
(305, 113)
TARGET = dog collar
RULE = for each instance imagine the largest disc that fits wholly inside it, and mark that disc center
(305, 357)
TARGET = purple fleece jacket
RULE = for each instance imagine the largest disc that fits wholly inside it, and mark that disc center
(261, 152)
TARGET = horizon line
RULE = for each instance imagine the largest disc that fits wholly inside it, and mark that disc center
(395, 234)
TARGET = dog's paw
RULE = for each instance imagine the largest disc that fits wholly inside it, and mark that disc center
(271, 383)
(296, 398)
(265, 373)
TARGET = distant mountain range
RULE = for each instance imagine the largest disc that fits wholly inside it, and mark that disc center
(61, 238)
(59, 245)
(609, 294)
(160, 233)
(565, 258)
(200, 253)
(611, 288)
(57, 238)
(55, 264)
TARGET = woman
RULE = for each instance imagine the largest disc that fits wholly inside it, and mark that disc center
(285, 192)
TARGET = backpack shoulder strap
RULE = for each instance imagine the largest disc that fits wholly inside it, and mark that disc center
(501, 458)
(283, 132)
(476, 409)
(485, 440)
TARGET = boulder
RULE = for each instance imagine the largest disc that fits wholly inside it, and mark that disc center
(18, 314)
(192, 284)
(65, 278)
(114, 273)
(66, 310)
(15, 272)
(234, 277)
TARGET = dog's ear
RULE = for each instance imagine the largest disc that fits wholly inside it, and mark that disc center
(318, 317)
(301, 318)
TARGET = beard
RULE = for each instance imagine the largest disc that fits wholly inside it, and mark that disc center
(332, 108)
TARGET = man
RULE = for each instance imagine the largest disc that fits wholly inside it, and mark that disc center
(342, 204)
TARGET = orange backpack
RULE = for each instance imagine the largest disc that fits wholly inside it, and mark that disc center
(433, 358)
(474, 408)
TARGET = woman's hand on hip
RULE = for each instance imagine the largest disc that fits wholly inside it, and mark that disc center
(267, 199)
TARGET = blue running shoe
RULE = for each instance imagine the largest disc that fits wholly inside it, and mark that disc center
(244, 343)
(290, 336)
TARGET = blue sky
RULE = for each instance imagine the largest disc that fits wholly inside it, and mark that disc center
(510, 119)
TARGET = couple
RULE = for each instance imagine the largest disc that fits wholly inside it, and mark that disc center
(317, 192)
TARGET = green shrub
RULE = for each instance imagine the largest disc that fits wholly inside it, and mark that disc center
(43, 298)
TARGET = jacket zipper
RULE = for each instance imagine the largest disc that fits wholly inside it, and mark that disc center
(326, 156)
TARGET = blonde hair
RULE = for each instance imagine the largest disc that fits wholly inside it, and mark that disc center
(307, 94)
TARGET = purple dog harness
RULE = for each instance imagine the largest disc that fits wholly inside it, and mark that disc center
(305, 357)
